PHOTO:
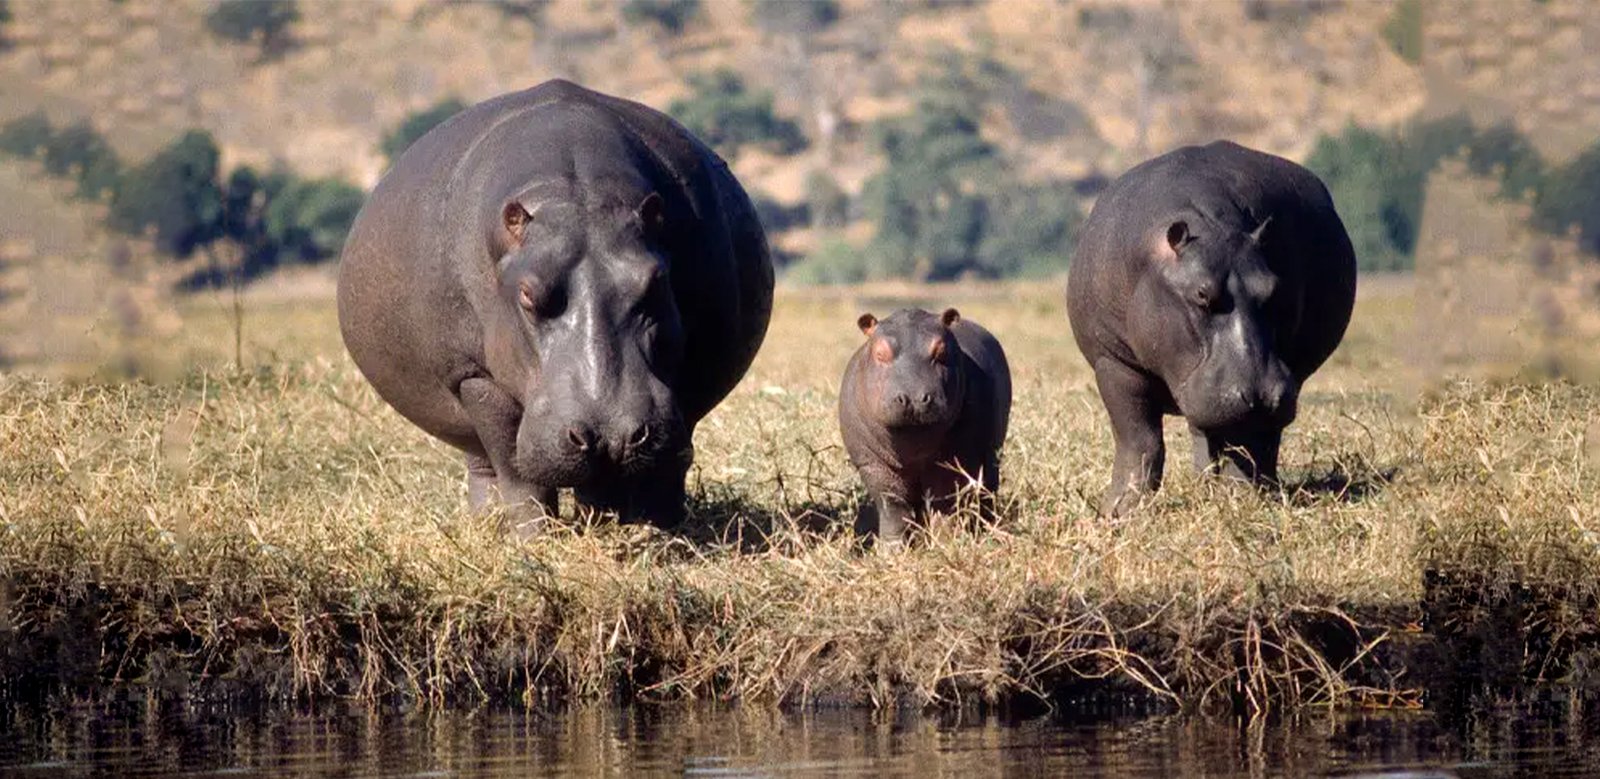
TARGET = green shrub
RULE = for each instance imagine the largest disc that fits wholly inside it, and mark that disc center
(174, 194)
(670, 15)
(927, 201)
(726, 114)
(26, 136)
(264, 21)
(81, 152)
(417, 125)
(833, 262)
(1403, 31)
(1031, 231)
(309, 219)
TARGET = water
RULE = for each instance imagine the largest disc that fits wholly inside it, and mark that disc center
(712, 741)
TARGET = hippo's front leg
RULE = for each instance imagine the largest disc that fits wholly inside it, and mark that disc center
(495, 416)
(1132, 400)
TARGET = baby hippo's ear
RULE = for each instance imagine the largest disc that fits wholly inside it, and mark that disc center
(867, 323)
(949, 317)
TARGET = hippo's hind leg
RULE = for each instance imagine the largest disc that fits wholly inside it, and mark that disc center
(495, 416)
(1133, 400)
(1249, 455)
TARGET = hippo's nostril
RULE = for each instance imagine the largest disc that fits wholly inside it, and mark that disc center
(927, 397)
(640, 437)
(579, 439)
(902, 399)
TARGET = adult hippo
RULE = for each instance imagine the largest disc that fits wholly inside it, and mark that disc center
(1208, 282)
(561, 284)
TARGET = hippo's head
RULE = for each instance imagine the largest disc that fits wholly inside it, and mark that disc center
(591, 334)
(911, 377)
(1210, 322)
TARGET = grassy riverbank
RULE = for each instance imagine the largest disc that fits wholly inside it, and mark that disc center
(278, 530)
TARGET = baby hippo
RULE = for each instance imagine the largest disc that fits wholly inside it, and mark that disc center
(923, 409)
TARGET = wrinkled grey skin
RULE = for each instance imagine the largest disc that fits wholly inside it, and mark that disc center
(1208, 282)
(561, 284)
(924, 406)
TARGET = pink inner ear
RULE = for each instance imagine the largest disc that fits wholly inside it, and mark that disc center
(515, 218)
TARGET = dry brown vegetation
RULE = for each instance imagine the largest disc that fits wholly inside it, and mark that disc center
(276, 529)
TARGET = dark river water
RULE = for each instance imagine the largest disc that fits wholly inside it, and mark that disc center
(711, 741)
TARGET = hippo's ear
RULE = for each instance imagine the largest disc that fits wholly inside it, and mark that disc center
(949, 317)
(515, 219)
(652, 213)
(867, 323)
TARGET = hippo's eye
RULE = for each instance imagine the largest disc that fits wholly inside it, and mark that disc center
(540, 301)
(882, 351)
(1206, 297)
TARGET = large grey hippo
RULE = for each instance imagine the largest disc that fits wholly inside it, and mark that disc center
(1208, 282)
(561, 284)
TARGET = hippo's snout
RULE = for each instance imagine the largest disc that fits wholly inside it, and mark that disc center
(577, 453)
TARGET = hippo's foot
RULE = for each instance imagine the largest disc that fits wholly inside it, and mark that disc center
(524, 506)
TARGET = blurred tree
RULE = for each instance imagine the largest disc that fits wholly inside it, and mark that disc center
(727, 115)
(777, 217)
(308, 219)
(174, 194)
(417, 125)
(1368, 177)
(833, 261)
(264, 21)
(1032, 230)
(794, 17)
(926, 201)
(1503, 152)
(82, 152)
(1570, 197)
(26, 136)
(828, 204)
(670, 15)
(1403, 31)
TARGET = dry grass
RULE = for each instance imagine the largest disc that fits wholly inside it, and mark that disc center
(278, 530)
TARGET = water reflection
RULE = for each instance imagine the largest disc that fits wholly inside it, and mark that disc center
(712, 741)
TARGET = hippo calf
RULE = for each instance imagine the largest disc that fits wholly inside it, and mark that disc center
(1208, 282)
(561, 284)
(923, 410)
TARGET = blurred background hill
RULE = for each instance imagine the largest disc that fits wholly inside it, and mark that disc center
(184, 144)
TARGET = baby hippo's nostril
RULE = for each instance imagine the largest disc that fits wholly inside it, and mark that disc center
(927, 397)
(579, 438)
(902, 399)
